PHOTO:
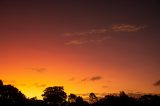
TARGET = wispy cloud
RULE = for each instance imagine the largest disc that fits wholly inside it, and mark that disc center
(71, 79)
(113, 28)
(87, 37)
(135, 95)
(104, 86)
(76, 42)
(87, 40)
(38, 69)
(157, 83)
(84, 79)
(87, 33)
(99, 35)
(85, 95)
(9, 81)
(95, 78)
(127, 28)
(39, 85)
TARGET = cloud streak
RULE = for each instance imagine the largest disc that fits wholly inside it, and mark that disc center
(126, 28)
(87, 41)
(39, 85)
(113, 28)
(157, 83)
(71, 79)
(87, 33)
(104, 86)
(96, 78)
(9, 81)
(84, 79)
(99, 35)
(76, 42)
(38, 69)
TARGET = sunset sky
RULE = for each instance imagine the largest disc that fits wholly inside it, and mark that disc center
(101, 46)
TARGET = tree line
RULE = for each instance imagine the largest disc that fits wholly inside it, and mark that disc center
(56, 96)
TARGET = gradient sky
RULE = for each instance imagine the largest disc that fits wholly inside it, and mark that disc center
(100, 46)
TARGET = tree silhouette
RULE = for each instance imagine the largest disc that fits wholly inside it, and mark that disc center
(149, 100)
(35, 102)
(1, 83)
(54, 95)
(10, 95)
(81, 102)
(92, 98)
(125, 100)
(122, 94)
(72, 98)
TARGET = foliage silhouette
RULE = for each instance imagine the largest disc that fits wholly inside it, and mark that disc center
(55, 96)
(92, 98)
(81, 102)
(11, 95)
(1, 83)
(72, 98)
(149, 100)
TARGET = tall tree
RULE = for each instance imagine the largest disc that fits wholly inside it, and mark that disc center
(54, 95)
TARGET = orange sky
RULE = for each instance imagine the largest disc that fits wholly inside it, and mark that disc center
(83, 47)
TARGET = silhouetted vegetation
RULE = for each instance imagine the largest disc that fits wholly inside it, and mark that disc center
(55, 96)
